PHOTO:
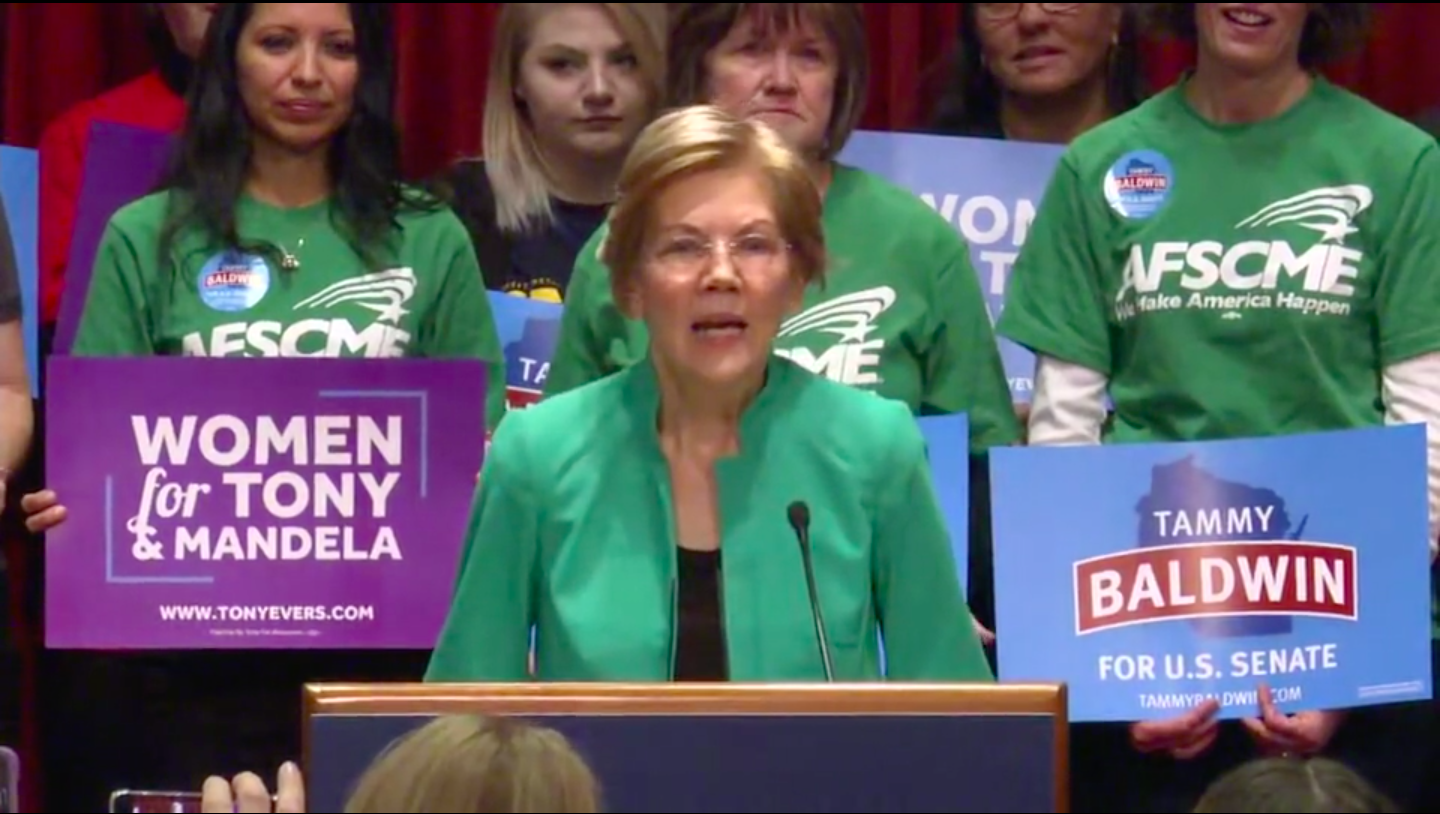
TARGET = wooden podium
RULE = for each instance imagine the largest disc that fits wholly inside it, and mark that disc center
(741, 748)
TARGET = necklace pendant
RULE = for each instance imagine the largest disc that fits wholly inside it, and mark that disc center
(288, 261)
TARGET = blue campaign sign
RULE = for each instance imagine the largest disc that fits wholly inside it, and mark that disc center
(987, 188)
(947, 438)
(20, 190)
(1154, 576)
(528, 331)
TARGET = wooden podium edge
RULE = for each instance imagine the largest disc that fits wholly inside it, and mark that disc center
(541, 699)
(684, 699)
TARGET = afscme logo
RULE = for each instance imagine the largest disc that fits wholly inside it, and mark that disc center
(1331, 211)
(852, 357)
(1234, 277)
(385, 293)
(850, 317)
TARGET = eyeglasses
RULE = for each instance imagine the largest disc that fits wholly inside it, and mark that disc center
(691, 254)
(1004, 12)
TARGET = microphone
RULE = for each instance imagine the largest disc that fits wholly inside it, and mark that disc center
(800, 521)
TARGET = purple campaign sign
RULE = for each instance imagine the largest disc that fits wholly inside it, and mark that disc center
(122, 164)
(258, 503)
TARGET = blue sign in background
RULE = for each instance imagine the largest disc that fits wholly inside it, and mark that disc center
(750, 764)
(1230, 500)
(988, 189)
(947, 439)
(20, 188)
(528, 331)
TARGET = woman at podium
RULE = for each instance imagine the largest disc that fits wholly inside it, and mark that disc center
(714, 512)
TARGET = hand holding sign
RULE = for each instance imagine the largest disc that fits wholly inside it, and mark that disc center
(42, 511)
(1304, 733)
(1183, 737)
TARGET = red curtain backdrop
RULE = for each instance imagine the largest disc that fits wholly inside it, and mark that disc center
(55, 54)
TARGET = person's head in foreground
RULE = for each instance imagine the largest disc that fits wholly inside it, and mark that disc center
(713, 239)
(455, 763)
(1283, 785)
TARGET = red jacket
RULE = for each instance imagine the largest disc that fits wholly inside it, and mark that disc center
(144, 102)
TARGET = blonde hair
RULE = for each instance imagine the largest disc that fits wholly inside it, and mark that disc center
(473, 763)
(705, 138)
(513, 162)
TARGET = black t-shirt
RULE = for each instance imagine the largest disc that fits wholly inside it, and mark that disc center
(9, 273)
(535, 264)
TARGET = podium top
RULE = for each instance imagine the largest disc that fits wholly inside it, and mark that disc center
(686, 699)
(662, 747)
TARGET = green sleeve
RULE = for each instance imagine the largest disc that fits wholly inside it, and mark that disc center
(963, 371)
(1055, 304)
(463, 326)
(487, 632)
(923, 615)
(1407, 297)
(116, 318)
(579, 356)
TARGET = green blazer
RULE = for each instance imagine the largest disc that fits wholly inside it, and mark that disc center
(572, 534)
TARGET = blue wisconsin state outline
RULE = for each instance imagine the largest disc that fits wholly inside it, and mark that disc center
(1184, 486)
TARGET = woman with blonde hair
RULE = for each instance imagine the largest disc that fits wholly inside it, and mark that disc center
(570, 86)
(903, 315)
(455, 763)
(645, 525)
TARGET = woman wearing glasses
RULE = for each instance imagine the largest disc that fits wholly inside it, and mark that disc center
(646, 525)
(903, 315)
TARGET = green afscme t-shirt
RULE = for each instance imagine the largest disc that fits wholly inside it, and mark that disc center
(900, 313)
(1242, 280)
(1237, 280)
(426, 300)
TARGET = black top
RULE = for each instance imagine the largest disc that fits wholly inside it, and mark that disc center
(9, 274)
(700, 628)
(533, 264)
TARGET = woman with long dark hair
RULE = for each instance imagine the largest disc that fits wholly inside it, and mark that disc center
(1043, 72)
(288, 167)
